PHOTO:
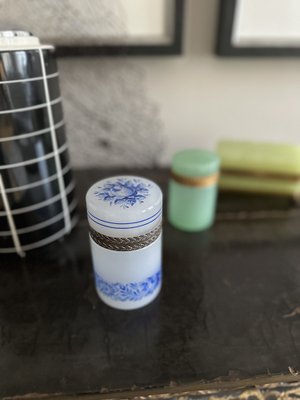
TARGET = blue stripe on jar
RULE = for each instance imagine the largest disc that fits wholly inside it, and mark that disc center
(126, 227)
(124, 223)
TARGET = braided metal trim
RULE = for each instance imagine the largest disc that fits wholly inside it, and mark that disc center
(125, 244)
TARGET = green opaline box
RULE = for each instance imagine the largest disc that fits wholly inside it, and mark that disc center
(193, 189)
(267, 168)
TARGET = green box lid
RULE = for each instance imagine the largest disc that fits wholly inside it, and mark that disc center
(195, 162)
(260, 157)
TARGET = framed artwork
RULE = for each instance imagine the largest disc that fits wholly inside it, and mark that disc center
(259, 28)
(100, 27)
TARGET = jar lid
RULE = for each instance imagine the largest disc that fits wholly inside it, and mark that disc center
(17, 38)
(124, 206)
(195, 163)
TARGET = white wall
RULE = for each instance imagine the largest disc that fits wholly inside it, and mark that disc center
(138, 111)
(203, 98)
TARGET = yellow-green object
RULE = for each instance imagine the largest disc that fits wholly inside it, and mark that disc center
(260, 167)
(193, 189)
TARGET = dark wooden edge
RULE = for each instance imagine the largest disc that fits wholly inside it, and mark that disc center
(174, 48)
(220, 386)
(224, 33)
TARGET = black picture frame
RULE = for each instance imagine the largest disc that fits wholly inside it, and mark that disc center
(226, 49)
(173, 48)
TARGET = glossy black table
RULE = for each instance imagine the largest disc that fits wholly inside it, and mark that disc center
(227, 321)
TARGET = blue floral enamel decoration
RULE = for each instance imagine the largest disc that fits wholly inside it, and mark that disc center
(128, 291)
(124, 192)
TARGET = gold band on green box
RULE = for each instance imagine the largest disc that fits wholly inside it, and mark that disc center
(201, 181)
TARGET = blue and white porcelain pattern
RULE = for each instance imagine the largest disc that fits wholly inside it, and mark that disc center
(128, 279)
(132, 291)
(123, 192)
(124, 206)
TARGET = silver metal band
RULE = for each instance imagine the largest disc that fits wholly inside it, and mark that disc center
(125, 244)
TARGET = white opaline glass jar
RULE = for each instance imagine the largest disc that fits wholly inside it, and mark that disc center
(125, 216)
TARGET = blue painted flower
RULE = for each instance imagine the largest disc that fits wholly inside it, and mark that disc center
(123, 192)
